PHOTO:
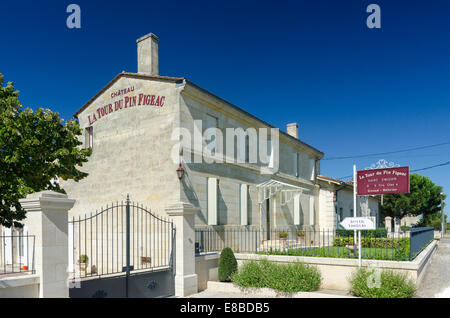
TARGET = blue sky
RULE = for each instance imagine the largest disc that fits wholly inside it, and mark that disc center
(353, 90)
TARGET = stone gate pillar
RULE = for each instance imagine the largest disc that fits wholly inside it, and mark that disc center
(388, 224)
(47, 220)
(183, 215)
(397, 225)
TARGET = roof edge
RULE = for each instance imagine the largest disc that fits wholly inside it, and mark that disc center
(136, 75)
(320, 153)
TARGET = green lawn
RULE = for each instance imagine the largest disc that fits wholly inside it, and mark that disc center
(342, 252)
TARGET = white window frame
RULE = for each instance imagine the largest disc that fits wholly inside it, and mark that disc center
(311, 210)
(211, 200)
(243, 203)
(297, 209)
(89, 140)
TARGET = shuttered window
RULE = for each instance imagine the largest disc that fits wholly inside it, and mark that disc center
(89, 137)
(244, 204)
(311, 210)
(212, 201)
(297, 210)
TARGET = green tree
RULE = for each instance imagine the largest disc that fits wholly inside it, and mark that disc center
(424, 198)
(35, 148)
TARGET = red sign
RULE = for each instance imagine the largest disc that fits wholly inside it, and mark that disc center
(383, 181)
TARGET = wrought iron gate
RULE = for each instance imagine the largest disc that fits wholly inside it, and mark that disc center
(122, 250)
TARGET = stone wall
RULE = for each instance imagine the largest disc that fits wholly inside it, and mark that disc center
(131, 150)
(336, 272)
(196, 105)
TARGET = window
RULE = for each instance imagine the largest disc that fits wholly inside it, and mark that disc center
(295, 163)
(311, 210)
(211, 203)
(297, 210)
(89, 137)
(243, 204)
(211, 122)
(312, 166)
(247, 149)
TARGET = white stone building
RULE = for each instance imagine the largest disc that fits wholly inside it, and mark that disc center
(336, 202)
(131, 125)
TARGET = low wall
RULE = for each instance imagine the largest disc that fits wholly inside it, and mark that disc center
(206, 268)
(337, 271)
(24, 286)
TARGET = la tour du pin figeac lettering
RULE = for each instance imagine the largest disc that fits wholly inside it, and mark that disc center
(126, 102)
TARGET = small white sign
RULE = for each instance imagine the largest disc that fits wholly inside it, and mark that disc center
(359, 223)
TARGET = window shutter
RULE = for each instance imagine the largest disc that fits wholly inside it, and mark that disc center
(312, 164)
(212, 201)
(297, 209)
(311, 210)
(243, 204)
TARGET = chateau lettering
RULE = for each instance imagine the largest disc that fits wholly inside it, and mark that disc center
(126, 102)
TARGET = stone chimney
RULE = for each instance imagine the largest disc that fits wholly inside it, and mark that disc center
(292, 129)
(147, 51)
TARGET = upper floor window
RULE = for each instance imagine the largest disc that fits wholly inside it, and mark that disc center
(295, 162)
(89, 137)
(211, 122)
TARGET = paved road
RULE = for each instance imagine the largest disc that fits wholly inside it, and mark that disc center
(436, 282)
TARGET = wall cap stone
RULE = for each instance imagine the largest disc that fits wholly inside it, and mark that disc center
(18, 281)
(47, 201)
(181, 208)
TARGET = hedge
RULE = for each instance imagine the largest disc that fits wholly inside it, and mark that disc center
(379, 232)
(373, 242)
(399, 245)
(288, 278)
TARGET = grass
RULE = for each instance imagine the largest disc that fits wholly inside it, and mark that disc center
(287, 278)
(343, 252)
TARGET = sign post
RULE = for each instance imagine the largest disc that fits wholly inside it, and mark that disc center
(354, 199)
(383, 181)
(358, 224)
(374, 182)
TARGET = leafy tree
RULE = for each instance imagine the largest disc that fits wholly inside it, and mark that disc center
(433, 220)
(424, 198)
(35, 148)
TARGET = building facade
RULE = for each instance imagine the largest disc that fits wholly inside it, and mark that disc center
(143, 126)
(336, 203)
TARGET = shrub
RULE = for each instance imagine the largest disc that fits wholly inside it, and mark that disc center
(405, 228)
(227, 264)
(288, 278)
(400, 246)
(301, 233)
(84, 259)
(391, 285)
(372, 242)
(282, 234)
